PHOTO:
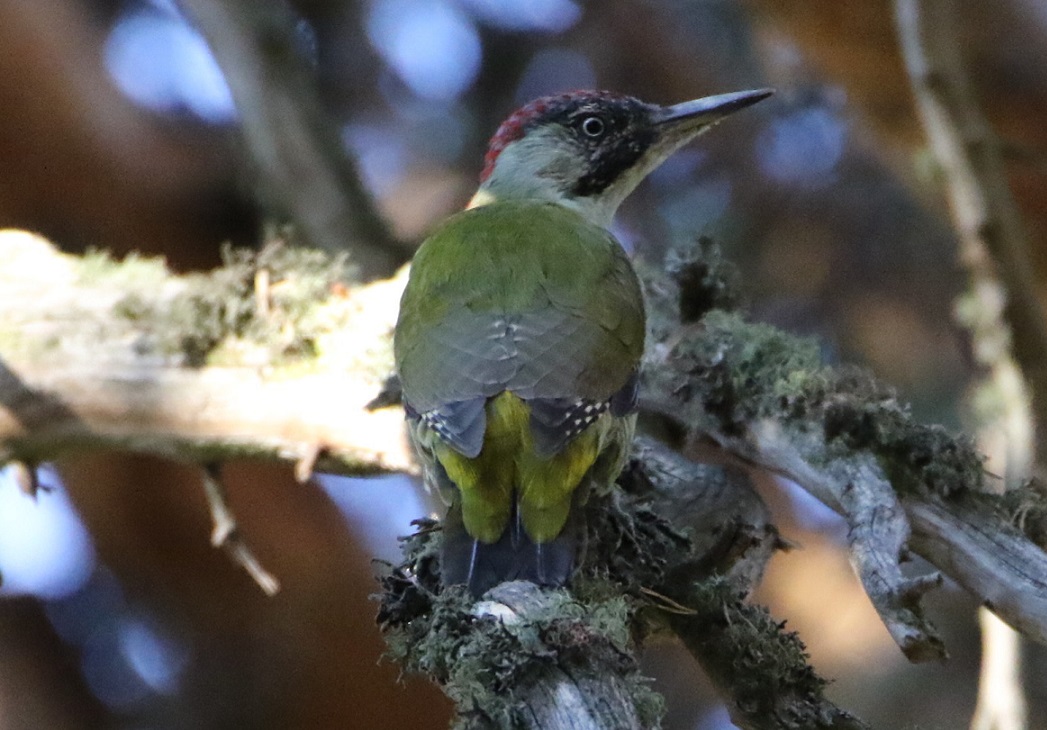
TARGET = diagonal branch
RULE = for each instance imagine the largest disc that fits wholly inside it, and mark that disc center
(226, 532)
(765, 397)
(878, 527)
(300, 165)
(966, 534)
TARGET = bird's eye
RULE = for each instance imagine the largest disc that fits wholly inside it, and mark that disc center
(592, 126)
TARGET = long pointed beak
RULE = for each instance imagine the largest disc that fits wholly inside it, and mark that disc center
(690, 117)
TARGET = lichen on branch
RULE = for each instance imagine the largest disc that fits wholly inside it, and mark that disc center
(501, 658)
(763, 396)
(273, 355)
(278, 358)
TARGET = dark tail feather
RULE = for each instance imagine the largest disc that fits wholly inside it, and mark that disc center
(482, 566)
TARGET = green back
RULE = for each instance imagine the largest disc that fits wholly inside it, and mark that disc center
(522, 296)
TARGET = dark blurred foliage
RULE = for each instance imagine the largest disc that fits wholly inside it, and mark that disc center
(823, 196)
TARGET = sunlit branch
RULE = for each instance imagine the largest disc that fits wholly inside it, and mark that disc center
(96, 354)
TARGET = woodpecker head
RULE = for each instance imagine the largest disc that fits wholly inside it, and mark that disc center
(588, 150)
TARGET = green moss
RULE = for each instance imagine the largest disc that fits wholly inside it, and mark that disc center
(485, 664)
(100, 268)
(732, 372)
(721, 372)
(215, 318)
(737, 371)
(746, 649)
(858, 413)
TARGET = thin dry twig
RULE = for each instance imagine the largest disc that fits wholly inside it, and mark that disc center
(667, 604)
(25, 477)
(226, 532)
(303, 468)
(878, 529)
(878, 535)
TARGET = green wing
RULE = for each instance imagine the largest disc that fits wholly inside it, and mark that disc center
(520, 320)
(527, 297)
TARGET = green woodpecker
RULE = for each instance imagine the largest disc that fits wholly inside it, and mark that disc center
(522, 327)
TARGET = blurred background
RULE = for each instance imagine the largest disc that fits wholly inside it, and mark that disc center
(117, 131)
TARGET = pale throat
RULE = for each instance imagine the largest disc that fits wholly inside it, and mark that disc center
(545, 168)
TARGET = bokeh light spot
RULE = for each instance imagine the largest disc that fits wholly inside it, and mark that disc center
(380, 153)
(803, 147)
(45, 550)
(432, 46)
(382, 507)
(157, 658)
(77, 616)
(551, 16)
(162, 63)
(716, 719)
(111, 679)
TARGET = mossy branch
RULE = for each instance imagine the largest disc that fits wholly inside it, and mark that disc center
(765, 398)
(277, 355)
(681, 546)
(643, 574)
(272, 356)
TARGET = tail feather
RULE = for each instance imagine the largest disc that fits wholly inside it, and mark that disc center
(481, 566)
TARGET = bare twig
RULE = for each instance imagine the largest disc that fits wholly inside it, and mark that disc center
(301, 166)
(878, 537)
(303, 468)
(226, 532)
(25, 476)
(878, 528)
(967, 537)
(221, 515)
